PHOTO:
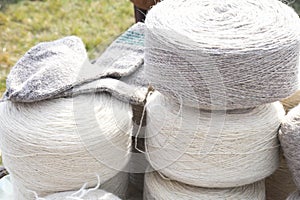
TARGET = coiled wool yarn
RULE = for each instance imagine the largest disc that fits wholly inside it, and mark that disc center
(212, 149)
(76, 195)
(280, 184)
(289, 136)
(57, 145)
(223, 54)
(157, 188)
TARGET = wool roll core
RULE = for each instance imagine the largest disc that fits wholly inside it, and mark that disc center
(58, 145)
(157, 188)
(289, 136)
(212, 149)
(223, 54)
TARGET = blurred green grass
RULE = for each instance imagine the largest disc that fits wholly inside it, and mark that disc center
(25, 23)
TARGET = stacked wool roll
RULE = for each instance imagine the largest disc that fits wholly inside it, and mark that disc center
(91, 195)
(58, 145)
(218, 55)
(211, 149)
(157, 188)
(280, 184)
(289, 137)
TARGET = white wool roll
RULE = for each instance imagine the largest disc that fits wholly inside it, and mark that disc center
(223, 54)
(294, 196)
(59, 145)
(157, 188)
(75, 195)
(212, 149)
(280, 184)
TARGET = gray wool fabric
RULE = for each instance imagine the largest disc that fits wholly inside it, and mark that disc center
(289, 136)
(45, 70)
(61, 68)
(132, 86)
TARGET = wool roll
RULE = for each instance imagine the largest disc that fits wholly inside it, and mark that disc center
(280, 184)
(218, 55)
(58, 145)
(157, 188)
(212, 149)
(91, 195)
(294, 196)
(289, 136)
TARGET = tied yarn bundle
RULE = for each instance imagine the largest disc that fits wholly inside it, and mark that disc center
(157, 188)
(289, 136)
(212, 149)
(57, 145)
(77, 195)
(220, 55)
(280, 184)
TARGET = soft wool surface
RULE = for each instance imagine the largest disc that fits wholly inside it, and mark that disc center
(223, 54)
(59, 145)
(157, 188)
(212, 149)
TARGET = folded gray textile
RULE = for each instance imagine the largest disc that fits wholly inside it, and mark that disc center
(61, 68)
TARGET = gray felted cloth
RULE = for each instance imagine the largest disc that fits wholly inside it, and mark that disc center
(61, 68)
(45, 70)
(132, 86)
(289, 136)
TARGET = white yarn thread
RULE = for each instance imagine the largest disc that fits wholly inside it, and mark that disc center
(223, 54)
(57, 145)
(246, 149)
(280, 184)
(157, 188)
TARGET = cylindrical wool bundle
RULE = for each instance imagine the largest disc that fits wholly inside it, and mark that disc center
(280, 184)
(212, 149)
(289, 136)
(60, 144)
(294, 196)
(218, 55)
(80, 195)
(157, 188)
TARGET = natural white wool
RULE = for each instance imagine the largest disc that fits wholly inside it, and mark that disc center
(157, 188)
(289, 136)
(58, 145)
(223, 54)
(280, 184)
(76, 195)
(294, 196)
(212, 149)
